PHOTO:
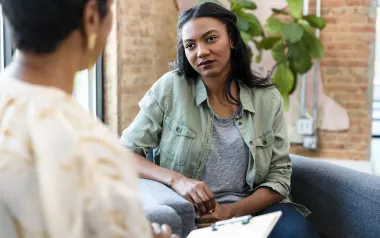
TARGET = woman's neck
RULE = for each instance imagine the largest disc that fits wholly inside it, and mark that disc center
(217, 97)
(51, 70)
(216, 89)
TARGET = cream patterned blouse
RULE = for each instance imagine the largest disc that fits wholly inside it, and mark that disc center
(62, 172)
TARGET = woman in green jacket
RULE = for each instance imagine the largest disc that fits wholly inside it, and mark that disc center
(217, 130)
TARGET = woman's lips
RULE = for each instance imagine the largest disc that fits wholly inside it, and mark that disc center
(206, 64)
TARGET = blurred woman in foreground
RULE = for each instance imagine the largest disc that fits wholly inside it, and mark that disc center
(62, 172)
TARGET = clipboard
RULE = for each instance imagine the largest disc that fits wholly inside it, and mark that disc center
(240, 227)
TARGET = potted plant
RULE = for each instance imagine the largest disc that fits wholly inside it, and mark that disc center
(292, 40)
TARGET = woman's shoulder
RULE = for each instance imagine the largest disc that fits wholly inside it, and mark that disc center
(36, 103)
(170, 81)
(265, 93)
(27, 98)
(169, 78)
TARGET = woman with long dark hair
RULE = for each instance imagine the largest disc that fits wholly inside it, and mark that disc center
(217, 130)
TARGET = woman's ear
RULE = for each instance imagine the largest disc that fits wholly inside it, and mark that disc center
(232, 44)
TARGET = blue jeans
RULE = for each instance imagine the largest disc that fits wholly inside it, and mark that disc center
(291, 224)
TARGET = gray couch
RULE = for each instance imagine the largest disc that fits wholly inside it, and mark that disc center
(344, 203)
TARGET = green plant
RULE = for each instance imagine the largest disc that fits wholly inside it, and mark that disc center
(293, 43)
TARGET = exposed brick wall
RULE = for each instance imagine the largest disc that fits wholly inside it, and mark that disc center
(139, 51)
(347, 70)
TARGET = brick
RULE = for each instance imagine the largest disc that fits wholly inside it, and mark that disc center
(354, 2)
(335, 28)
(333, 61)
(363, 28)
(363, 81)
(366, 2)
(355, 105)
(334, 3)
(352, 97)
(330, 19)
(347, 54)
(338, 46)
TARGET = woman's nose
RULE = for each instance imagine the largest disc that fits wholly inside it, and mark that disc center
(203, 51)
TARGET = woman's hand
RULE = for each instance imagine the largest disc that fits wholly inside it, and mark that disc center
(163, 231)
(196, 192)
(221, 213)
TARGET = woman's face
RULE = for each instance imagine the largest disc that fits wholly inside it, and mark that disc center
(207, 46)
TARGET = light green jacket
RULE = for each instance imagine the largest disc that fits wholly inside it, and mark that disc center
(176, 121)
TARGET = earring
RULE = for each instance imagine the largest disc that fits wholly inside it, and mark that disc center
(91, 41)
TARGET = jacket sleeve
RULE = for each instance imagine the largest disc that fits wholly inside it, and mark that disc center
(144, 132)
(278, 177)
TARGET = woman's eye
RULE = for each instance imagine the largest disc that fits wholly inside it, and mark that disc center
(189, 46)
(211, 38)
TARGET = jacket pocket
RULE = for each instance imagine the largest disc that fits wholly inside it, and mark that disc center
(176, 141)
(263, 155)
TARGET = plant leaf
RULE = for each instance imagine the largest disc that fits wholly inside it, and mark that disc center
(303, 65)
(285, 98)
(274, 25)
(297, 50)
(235, 7)
(315, 21)
(284, 80)
(312, 43)
(295, 77)
(296, 7)
(245, 4)
(246, 37)
(255, 27)
(242, 23)
(293, 32)
(299, 58)
(278, 52)
(268, 42)
(279, 11)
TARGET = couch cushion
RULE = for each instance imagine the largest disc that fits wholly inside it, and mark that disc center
(343, 202)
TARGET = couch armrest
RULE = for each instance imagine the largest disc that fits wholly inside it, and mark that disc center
(343, 202)
(155, 195)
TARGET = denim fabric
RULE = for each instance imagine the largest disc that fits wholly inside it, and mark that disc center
(291, 224)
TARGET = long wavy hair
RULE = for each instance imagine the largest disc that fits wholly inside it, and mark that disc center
(240, 63)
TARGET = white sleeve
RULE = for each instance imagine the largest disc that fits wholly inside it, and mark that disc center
(88, 187)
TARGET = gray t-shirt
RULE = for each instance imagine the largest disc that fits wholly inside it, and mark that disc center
(227, 162)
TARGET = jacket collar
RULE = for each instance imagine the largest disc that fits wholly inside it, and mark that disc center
(245, 97)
